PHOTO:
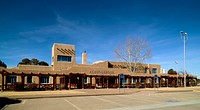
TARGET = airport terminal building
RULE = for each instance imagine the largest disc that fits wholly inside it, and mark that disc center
(65, 73)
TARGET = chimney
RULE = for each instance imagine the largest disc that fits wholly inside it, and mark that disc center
(84, 57)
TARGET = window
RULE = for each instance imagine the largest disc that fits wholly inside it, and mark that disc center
(146, 70)
(85, 80)
(29, 79)
(64, 58)
(44, 79)
(133, 80)
(124, 80)
(11, 79)
(154, 70)
(156, 80)
(142, 80)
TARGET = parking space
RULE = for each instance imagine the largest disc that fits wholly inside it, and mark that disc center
(140, 100)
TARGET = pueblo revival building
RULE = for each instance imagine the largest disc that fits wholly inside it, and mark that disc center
(65, 73)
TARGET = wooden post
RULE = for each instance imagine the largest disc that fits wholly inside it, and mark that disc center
(2, 85)
(82, 82)
(152, 82)
(102, 81)
(145, 82)
(107, 82)
(39, 77)
(118, 81)
(160, 82)
(138, 83)
(95, 81)
(69, 80)
(54, 82)
(167, 82)
(5, 80)
(90, 82)
(22, 77)
(196, 82)
(66, 82)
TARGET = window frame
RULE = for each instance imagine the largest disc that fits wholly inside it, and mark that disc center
(29, 79)
(61, 58)
(45, 80)
(154, 70)
(11, 79)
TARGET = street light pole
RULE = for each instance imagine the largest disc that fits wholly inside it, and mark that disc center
(176, 72)
(184, 37)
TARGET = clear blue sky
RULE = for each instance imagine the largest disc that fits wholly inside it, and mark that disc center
(28, 29)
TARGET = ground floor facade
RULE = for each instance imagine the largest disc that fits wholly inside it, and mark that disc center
(27, 81)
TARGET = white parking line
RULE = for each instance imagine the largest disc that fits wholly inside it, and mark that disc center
(23, 102)
(72, 104)
(108, 101)
(145, 99)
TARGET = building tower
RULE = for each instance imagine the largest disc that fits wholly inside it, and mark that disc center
(84, 57)
(63, 56)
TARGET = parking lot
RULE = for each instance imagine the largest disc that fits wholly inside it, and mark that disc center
(149, 100)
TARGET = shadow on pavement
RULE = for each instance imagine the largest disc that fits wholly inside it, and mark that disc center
(6, 101)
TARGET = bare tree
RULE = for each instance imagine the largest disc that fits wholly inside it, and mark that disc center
(133, 52)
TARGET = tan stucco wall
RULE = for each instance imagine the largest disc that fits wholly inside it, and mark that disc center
(35, 67)
(58, 65)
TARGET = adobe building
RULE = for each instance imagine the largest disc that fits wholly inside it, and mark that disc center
(65, 73)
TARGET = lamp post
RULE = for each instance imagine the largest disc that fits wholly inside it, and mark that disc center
(184, 37)
(176, 72)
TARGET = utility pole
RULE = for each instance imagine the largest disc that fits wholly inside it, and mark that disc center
(184, 36)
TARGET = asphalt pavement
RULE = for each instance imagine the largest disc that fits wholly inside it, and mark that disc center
(140, 100)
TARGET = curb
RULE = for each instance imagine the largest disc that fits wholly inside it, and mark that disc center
(164, 91)
(59, 96)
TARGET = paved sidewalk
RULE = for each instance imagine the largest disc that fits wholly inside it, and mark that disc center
(88, 92)
(65, 93)
(172, 89)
